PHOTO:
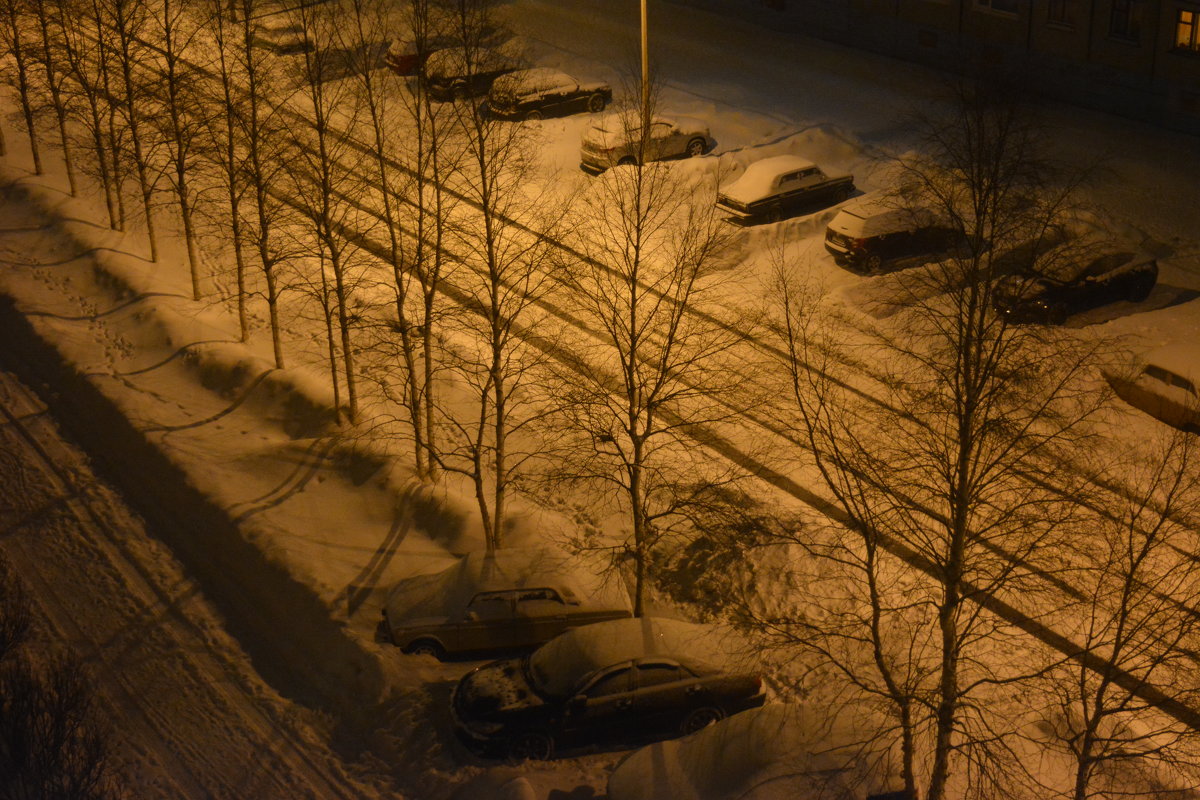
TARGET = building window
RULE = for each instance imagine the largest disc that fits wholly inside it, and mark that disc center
(1126, 20)
(1061, 12)
(1004, 6)
(1186, 37)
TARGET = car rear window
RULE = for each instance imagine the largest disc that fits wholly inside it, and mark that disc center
(1170, 378)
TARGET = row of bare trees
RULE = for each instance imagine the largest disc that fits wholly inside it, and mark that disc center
(405, 229)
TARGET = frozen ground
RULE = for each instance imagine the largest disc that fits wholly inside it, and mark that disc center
(291, 529)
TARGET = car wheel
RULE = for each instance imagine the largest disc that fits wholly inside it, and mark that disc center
(596, 103)
(626, 161)
(1057, 314)
(774, 214)
(530, 746)
(426, 647)
(872, 264)
(700, 718)
(845, 193)
(533, 116)
(696, 147)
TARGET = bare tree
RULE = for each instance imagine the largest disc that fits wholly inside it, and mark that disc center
(177, 86)
(127, 22)
(15, 615)
(650, 291)
(1138, 629)
(16, 38)
(501, 235)
(85, 51)
(950, 449)
(411, 164)
(49, 55)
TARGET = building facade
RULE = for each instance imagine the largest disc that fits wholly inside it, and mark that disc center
(1138, 58)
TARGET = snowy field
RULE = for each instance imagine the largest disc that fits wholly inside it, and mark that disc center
(294, 529)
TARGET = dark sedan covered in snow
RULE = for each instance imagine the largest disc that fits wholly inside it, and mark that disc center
(608, 682)
(1075, 286)
(464, 72)
(775, 186)
(542, 92)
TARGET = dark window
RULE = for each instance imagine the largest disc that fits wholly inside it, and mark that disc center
(1004, 6)
(1061, 12)
(612, 683)
(1186, 24)
(1126, 20)
(656, 674)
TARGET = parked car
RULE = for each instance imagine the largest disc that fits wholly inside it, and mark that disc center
(1166, 386)
(869, 235)
(459, 72)
(611, 681)
(777, 752)
(515, 599)
(542, 92)
(1075, 285)
(283, 34)
(771, 187)
(615, 139)
(404, 57)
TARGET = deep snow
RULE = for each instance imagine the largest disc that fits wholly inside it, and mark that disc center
(331, 522)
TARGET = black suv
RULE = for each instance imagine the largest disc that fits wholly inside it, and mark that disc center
(1049, 299)
(608, 682)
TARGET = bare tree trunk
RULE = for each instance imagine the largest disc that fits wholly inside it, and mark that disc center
(127, 22)
(54, 84)
(14, 11)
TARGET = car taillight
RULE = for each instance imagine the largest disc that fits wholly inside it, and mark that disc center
(858, 244)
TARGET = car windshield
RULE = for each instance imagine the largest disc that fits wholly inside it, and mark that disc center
(536, 677)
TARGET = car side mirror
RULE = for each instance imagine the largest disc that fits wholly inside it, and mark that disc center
(472, 616)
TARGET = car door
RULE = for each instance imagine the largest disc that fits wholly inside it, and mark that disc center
(558, 94)
(488, 623)
(665, 141)
(666, 691)
(541, 615)
(603, 709)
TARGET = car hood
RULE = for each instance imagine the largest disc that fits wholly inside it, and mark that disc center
(497, 687)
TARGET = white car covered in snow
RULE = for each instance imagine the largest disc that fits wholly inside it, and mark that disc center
(1165, 384)
(777, 752)
(514, 599)
(615, 139)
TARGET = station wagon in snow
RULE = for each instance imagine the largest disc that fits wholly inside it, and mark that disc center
(870, 235)
(514, 599)
(615, 139)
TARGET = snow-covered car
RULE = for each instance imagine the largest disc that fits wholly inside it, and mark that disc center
(772, 187)
(464, 72)
(404, 57)
(1072, 286)
(282, 33)
(515, 599)
(610, 682)
(870, 234)
(615, 139)
(1166, 385)
(777, 752)
(543, 92)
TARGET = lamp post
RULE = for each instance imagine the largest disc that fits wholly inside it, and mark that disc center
(645, 78)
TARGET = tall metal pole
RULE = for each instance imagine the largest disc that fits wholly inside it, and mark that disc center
(645, 75)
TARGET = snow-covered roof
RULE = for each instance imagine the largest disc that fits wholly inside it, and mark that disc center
(563, 662)
(758, 180)
(446, 593)
(876, 216)
(1182, 358)
(777, 752)
(525, 80)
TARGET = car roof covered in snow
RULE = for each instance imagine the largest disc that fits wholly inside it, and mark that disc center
(777, 752)
(876, 216)
(759, 178)
(447, 593)
(1180, 357)
(532, 79)
(562, 663)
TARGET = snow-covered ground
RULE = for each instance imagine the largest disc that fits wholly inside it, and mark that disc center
(293, 529)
